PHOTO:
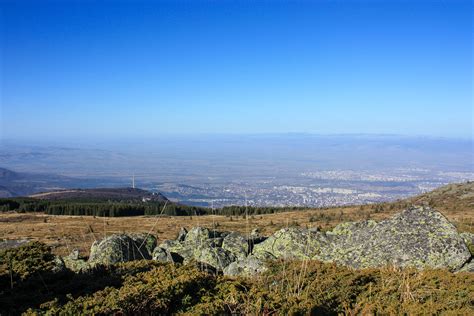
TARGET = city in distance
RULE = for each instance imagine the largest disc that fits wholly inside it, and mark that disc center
(257, 170)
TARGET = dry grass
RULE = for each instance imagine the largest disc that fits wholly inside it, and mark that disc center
(65, 233)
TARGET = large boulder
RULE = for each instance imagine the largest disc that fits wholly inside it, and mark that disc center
(418, 237)
(122, 248)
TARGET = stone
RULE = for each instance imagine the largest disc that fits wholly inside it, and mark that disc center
(74, 263)
(215, 257)
(236, 244)
(418, 237)
(162, 255)
(290, 243)
(182, 234)
(121, 248)
(197, 235)
(247, 266)
(59, 265)
(468, 267)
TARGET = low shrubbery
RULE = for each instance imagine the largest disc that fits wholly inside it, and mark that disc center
(288, 287)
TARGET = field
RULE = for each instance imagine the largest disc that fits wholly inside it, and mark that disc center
(65, 233)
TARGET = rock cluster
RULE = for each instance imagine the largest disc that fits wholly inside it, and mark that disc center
(417, 237)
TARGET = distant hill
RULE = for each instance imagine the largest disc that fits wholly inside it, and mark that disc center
(17, 184)
(456, 197)
(8, 175)
(102, 194)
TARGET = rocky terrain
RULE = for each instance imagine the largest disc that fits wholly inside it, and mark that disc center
(419, 237)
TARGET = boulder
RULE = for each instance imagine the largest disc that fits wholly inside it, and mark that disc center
(58, 265)
(186, 251)
(162, 255)
(121, 248)
(182, 234)
(290, 243)
(246, 266)
(197, 235)
(468, 267)
(418, 237)
(236, 244)
(218, 258)
(74, 263)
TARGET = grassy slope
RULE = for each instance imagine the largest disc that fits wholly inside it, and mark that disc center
(65, 233)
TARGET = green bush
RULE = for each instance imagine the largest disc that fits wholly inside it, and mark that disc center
(288, 287)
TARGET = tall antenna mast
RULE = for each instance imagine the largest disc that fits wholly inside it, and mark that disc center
(133, 181)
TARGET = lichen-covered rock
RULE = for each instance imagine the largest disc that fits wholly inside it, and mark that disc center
(469, 240)
(418, 237)
(236, 244)
(292, 242)
(197, 235)
(468, 267)
(58, 265)
(162, 255)
(182, 234)
(215, 257)
(146, 240)
(121, 248)
(186, 251)
(74, 263)
(246, 266)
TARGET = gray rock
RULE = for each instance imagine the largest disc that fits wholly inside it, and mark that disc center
(162, 255)
(182, 234)
(467, 237)
(121, 248)
(59, 265)
(186, 251)
(236, 244)
(291, 243)
(247, 266)
(215, 257)
(74, 263)
(419, 237)
(197, 235)
(468, 267)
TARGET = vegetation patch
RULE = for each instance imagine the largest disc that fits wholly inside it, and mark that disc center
(147, 287)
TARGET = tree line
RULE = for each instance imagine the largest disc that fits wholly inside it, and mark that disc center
(127, 208)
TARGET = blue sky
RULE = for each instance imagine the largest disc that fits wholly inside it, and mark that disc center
(114, 69)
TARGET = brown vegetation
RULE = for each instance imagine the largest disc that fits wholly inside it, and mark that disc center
(65, 233)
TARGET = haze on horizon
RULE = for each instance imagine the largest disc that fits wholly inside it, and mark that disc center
(73, 69)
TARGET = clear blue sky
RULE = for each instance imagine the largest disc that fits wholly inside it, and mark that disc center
(110, 69)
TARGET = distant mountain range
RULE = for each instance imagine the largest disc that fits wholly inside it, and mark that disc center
(14, 183)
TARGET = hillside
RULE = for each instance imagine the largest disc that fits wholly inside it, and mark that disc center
(102, 194)
(457, 197)
(67, 232)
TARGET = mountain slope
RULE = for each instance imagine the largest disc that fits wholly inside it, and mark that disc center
(101, 194)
